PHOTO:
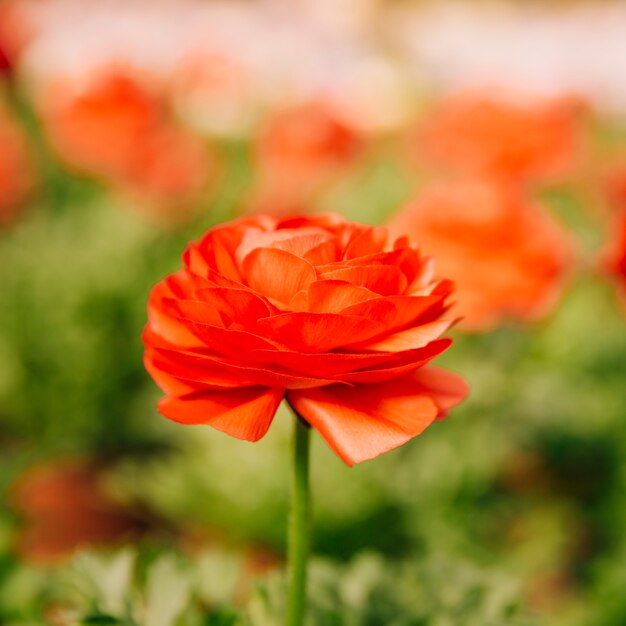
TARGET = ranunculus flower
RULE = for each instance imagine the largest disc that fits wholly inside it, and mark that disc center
(299, 152)
(64, 505)
(508, 257)
(17, 175)
(334, 316)
(120, 129)
(522, 141)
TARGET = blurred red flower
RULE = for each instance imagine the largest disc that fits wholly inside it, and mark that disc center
(333, 315)
(64, 506)
(299, 151)
(17, 175)
(14, 34)
(120, 129)
(5, 65)
(614, 256)
(507, 256)
(522, 141)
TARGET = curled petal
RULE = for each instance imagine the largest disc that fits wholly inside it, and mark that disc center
(411, 338)
(397, 312)
(212, 371)
(236, 305)
(361, 422)
(385, 280)
(403, 363)
(333, 296)
(364, 242)
(318, 332)
(277, 274)
(446, 388)
(245, 413)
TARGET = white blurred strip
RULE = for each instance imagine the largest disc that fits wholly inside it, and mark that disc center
(545, 51)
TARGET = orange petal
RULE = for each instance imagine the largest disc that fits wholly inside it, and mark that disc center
(167, 383)
(318, 332)
(361, 422)
(276, 273)
(240, 306)
(211, 371)
(411, 338)
(399, 311)
(406, 362)
(243, 413)
(385, 280)
(224, 262)
(446, 388)
(194, 261)
(332, 296)
(326, 252)
(408, 260)
(191, 311)
(371, 239)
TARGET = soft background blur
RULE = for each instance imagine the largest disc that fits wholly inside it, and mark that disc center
(495, 132)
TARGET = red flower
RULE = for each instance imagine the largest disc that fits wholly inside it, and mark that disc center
(298, 153)
(485, 135)
(508, 257)
(15, 33)
(119, 129)
(17, 174)
(64, 505)
(329, 314)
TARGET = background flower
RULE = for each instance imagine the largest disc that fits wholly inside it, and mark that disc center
(480, 133)
(508, 257)
(17, 168)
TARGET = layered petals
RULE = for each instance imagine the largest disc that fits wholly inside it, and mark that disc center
(335, 315)
(363, 421)
(244, 413)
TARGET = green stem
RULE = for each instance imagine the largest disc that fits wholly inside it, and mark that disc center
(299, 525)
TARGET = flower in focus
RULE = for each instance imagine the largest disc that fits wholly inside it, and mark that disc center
(332, 315)
(17, 175)
(529, 142)
(299, 152)
(508, 257)
(119, 129)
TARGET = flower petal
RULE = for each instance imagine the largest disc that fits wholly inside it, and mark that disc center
(361, 422)
(446, 388)
(385, 280)
(240, 306)
(276, 273)
(332, 296)
(318, 332)
(245, 413)
(213, 371)
(411, 338)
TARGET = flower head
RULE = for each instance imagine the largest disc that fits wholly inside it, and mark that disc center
(508, 257)
(17, 173)
(486, 135)
(300, 152)
(334, 316)
(119, 128)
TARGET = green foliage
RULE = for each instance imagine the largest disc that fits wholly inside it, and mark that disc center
(206, 590)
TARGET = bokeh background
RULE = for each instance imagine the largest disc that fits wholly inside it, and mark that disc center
(493, 133)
